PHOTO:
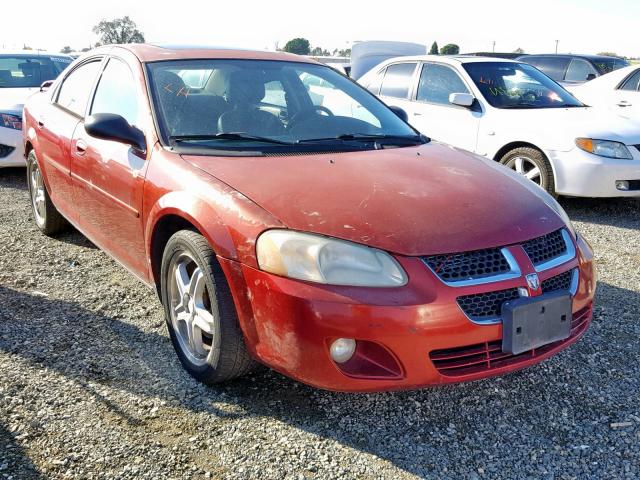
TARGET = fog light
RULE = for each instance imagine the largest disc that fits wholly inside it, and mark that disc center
(343, 349)
(622, 184)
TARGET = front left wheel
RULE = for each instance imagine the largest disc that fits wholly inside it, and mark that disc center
(199, 310)
(47, 217)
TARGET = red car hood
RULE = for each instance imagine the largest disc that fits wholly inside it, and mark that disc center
(411, 201)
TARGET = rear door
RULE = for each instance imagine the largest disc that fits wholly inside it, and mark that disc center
(108, 175)
(396, 85)
(56, 123)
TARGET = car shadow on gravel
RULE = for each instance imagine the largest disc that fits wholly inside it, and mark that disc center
(13, 177)
(14, 460)
(559, 411)
(617, 212)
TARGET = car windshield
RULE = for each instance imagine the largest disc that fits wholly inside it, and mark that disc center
(518, 85)
(235, 104)
(606, 65)
(27, 71)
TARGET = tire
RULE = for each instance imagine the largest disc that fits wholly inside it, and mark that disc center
(199, 311)
(533, 164)
(45, 214)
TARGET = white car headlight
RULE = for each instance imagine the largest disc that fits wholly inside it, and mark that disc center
(327, 260)
(604, 148)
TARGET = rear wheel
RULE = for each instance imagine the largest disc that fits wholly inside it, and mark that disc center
(532, 164)
(199, 310)
(47, 217)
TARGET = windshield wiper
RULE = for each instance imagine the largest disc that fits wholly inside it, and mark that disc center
(226, 136)
(366, 138)
(522, 105)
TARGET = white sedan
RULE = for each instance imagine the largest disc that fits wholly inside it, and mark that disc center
(618, 90)
(21, 74)
(514, 114)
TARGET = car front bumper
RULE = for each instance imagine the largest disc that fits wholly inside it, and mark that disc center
(582, 174)
(415, 336)
(11, 148)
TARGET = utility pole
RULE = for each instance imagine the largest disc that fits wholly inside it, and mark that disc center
(557, 45)
(494, 47)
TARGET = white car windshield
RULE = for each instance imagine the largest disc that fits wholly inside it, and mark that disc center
(518, 85)
(30, 70)
(226, 104)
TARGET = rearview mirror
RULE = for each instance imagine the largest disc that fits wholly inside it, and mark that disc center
(461, 99)
(109, 126)
(591, 76)
(400, 113)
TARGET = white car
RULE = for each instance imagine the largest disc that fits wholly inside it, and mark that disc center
(513, 113)
(618, 90)
(21, 74)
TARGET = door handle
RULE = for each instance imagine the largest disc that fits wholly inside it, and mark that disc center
(81, 147)
(416, 114)
(40, 124)
(624, 103)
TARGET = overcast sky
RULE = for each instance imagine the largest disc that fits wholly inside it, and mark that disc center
(581, 26)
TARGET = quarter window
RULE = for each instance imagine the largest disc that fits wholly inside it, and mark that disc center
(74, 92)
(579, 70)
(116, 92)
(397, 80)
(631, 84)
(437, 82)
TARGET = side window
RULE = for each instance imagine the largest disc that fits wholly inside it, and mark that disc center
(631, 84)
(554, 67)
(76, 88)
(116, 92)
(274, 94)
(579, 70)
(376, 81)
(437, 82)
(397, 80)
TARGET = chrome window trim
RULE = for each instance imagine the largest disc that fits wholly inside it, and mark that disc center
(513, 273)
(567, 256)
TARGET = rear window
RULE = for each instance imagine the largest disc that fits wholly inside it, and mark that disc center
(25, 71)
(554, 67)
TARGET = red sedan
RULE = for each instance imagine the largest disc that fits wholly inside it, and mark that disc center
(286, 216)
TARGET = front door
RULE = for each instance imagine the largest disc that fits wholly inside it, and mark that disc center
(109, 176)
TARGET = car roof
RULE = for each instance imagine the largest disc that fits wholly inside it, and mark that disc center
(574, 55)
(32, 53)
(153, 53)
(449, 59)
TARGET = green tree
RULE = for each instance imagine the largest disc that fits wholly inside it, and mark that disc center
(434, 49)
(518, 50)
(610, 54)
(118, 30)
(316, 51)
(299, 46)
(66, 49)
(450, 49)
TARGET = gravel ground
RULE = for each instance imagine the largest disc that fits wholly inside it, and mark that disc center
(90, 386)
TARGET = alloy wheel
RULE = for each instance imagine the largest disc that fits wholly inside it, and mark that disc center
(190, 308)
(527, 167)
(38, 198)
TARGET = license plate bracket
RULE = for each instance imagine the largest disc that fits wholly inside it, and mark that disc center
(531, 322)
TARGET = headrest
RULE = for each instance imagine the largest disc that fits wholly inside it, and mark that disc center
(245, 87)
(170, 83)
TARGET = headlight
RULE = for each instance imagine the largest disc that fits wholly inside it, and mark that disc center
(604, 148)
(8, 120)
(327, 260)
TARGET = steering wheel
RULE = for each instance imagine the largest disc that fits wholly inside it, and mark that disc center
(307, 112)
(530, 96)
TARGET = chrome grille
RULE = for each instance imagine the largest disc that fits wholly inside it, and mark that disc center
(469, 265)
(487, 306)
(545, 248)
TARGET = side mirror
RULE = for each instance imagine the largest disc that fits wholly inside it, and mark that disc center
(400, 113)
(109, 126)
(462, 99)
(591, 76)
(45, 85)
